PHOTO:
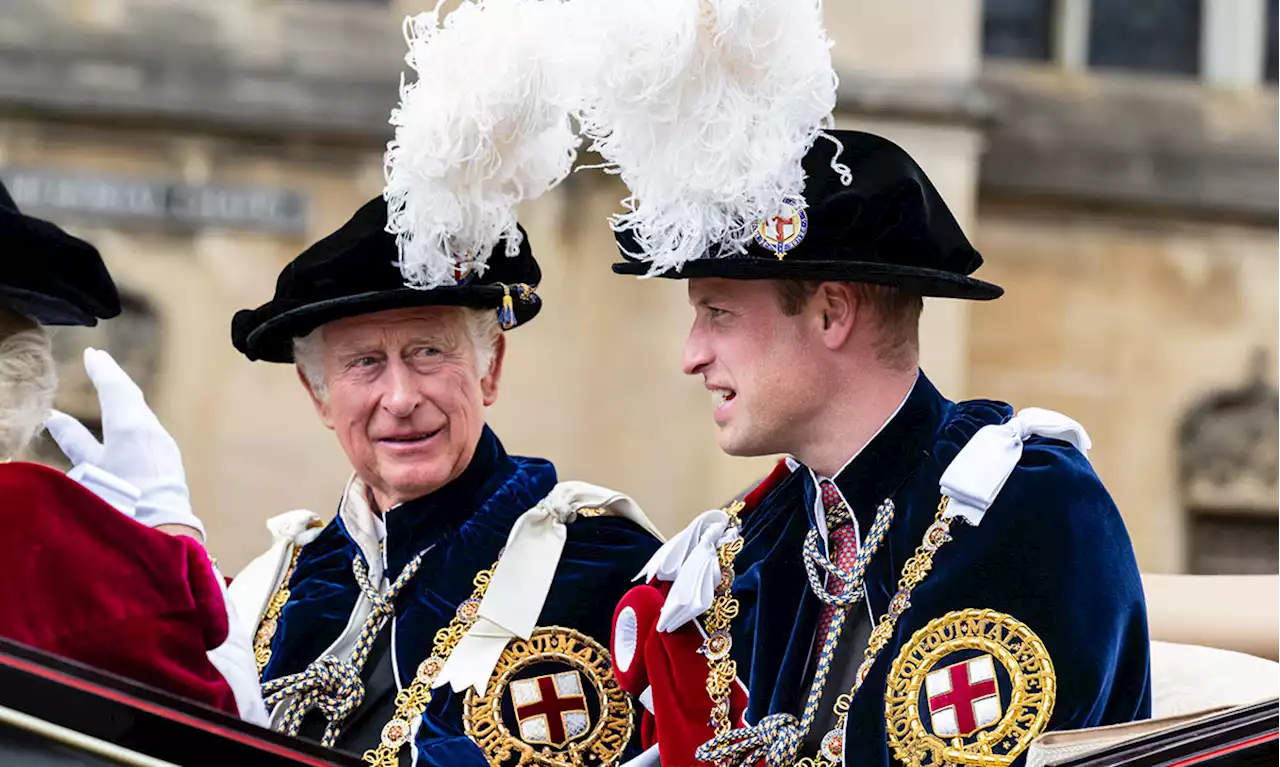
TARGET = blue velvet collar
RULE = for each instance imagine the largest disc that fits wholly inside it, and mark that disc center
(466, 523)
(775, 584)
(476, 510)
(415, 525)
(893, 455)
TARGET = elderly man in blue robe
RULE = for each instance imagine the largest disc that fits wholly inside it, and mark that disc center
(375, 631)
(456, 608)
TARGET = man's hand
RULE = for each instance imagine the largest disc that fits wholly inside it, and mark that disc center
(134, 448)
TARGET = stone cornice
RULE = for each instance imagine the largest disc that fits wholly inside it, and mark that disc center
(105, 82)
(915, 99)
(101, 80)
(1162, 145)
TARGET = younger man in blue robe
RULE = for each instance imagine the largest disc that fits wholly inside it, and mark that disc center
(925, 581)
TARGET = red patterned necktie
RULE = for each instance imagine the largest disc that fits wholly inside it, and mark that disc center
(842, 550)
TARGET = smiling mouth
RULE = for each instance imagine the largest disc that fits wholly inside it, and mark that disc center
(410, 439)
(723, 395)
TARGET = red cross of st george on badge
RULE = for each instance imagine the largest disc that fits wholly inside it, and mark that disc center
(551, 708)
(944, 695)
(462, 267)
(552, 701)
(785, 230)
(963, 697)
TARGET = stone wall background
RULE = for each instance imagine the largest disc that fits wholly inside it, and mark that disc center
(1132, 221)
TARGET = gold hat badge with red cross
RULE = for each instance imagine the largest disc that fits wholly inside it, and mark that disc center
(782, 232)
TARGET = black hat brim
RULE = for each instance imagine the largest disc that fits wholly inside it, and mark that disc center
(79, 291)
(925, 282)
(271, 339)
(45, 309)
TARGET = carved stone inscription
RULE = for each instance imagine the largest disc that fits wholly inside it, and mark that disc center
(120, 198)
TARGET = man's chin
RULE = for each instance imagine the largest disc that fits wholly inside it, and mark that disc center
(404, 493)
(412, 483)
(741, 446)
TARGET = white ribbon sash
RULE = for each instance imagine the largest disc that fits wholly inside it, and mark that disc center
(254, 586)
(691, 562)
(980, 470)
(518, 589)
(246, 600)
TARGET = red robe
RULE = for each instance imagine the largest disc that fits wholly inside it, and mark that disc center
(671, 668)
(81, 580)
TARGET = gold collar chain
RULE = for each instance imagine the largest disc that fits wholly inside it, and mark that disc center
(723, 670)
(271, 617)
(411, 702)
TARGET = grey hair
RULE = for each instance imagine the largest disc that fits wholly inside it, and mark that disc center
(482, 328)
(28, 381)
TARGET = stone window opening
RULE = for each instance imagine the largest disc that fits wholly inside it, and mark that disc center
(1228, 43)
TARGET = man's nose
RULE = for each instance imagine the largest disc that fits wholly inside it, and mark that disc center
(401, 396)
(697, 353)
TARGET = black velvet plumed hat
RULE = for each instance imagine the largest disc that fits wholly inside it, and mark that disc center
(889, 226)
(48, 275)
(354, 271)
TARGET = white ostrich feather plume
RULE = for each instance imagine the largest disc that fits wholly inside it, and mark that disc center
(705, 108)
(483, 127)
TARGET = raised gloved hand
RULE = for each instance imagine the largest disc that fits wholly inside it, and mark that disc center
(135, 448)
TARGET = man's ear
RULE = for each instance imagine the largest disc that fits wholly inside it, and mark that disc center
(838, 305)
(489, 383)
(321, 403)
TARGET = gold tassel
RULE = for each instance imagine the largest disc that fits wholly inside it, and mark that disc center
(507, 314)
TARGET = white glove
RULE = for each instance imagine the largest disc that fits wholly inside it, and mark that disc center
(134, 448)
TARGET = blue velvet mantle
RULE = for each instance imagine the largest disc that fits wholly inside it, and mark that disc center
(466, 523)
(1052, 552)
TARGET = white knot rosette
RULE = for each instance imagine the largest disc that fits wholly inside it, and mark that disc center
(520, 583)
(982, 467)
(691, 562)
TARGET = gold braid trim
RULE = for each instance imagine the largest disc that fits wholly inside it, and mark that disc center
(271, 617)
(412, 701)
(722, 671)
(913, 572)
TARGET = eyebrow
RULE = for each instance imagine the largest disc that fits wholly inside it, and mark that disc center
(438, 338)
